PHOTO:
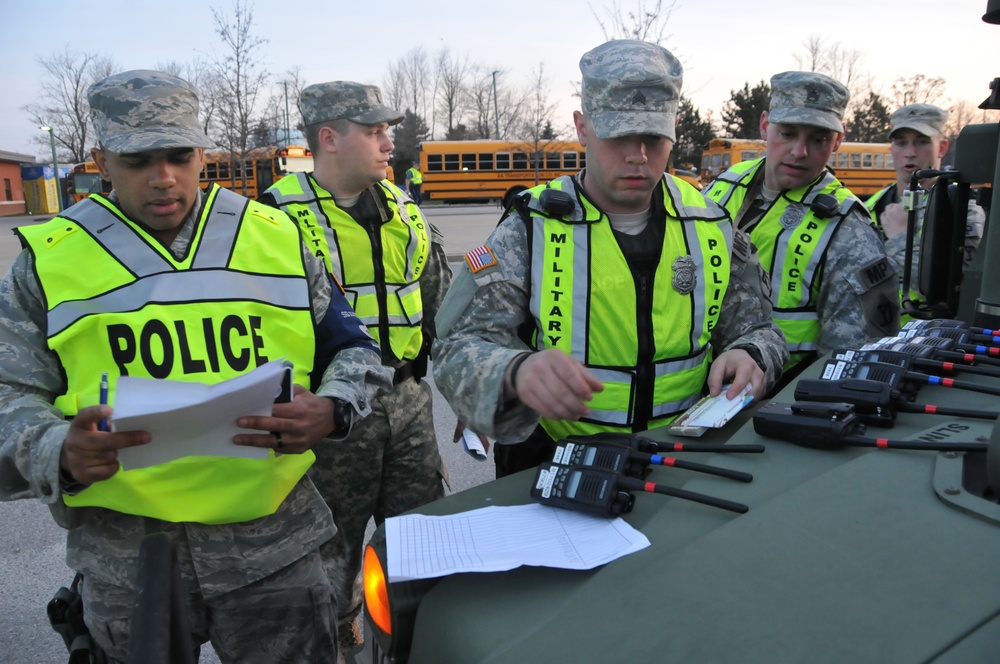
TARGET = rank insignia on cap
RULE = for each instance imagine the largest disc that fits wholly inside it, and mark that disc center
(480, 258)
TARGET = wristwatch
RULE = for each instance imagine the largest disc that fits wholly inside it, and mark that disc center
(343, 416)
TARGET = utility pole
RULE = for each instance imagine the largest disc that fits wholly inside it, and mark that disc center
(288, 133)
(496, 108)
(55, 166)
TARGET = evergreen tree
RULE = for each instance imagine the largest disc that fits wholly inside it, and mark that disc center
(407, 137)
(869, 121)
(741, 114)
(693, 132)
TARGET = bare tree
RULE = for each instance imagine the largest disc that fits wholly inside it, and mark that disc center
(242, 78)
(481, 100)
(63, 102)
(202, 75)
(496, 107)
(416, 78)
(918, 89)
(394, 86)
(645, 22)
(836, 61)
(452, 96)
(537, 128)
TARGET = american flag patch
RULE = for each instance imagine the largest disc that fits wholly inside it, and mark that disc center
(480, 258)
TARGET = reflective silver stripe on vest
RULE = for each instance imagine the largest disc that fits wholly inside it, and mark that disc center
(665, 409)
(673, 366)
(616, 417)
(119, 238)
(738, 180)
(815, 259)
(362, 290)
(308, 197)
(413, 244)
(581, 282)
(221, 227)
(702, 213)
(182, 287)
(620, 418)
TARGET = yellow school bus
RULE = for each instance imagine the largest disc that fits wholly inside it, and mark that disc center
(263, 167)
(87, 180)
(864, 168)
(490, 170)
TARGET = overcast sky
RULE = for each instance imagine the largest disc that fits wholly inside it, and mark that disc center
(722, 43)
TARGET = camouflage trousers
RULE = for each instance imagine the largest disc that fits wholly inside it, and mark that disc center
(389, 464)
(289, 616)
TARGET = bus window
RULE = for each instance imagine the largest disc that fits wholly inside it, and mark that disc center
(705, 161)
(468, 161)
(434, 162)
(866, 160)
(716, 160)
(451, 162)
(880, 161)
(855, 160)
(521, 161)
(569, 160)
(747, 155)
(842, 158)
(832, 162)
(503, 161)
(552, 161)
(725, 160)
(486, 161)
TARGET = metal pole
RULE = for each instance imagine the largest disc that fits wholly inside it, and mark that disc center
(288, 133)
(55, 167)
(496, 108)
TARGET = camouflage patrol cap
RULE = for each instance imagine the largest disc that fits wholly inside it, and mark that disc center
(631, 87)
(346, 100)
(141, 110)
(809, 98)
(925, 119)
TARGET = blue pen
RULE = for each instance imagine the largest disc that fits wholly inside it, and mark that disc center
(103, 424)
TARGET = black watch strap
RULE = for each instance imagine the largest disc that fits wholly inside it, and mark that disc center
(343, 416)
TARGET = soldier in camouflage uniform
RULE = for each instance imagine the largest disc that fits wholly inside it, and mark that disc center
(392, 265)
(254, 586)
(600, 299)
(917, 141)
(832, 284)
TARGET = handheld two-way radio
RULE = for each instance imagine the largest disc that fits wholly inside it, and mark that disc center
(897, 377)
(924, 347)
(641, 444)
(625, 460)
(947, 322)
(907, 360)
(835, 425)
(605, 492)
(948, 338)
(875, 403)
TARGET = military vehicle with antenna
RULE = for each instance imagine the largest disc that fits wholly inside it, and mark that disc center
(852, 550)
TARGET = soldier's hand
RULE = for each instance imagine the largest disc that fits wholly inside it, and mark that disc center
(89, 455)
(893, 220)
(293, 427)
(555, 385)
(737, 366)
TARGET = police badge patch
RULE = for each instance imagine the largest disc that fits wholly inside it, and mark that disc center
(793, 216)
(684, 275)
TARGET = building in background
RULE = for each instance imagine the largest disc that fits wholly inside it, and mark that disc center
(12, 198)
